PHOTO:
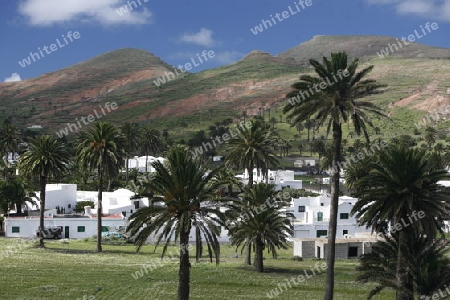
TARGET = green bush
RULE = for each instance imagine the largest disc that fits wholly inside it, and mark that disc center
(297, 258)
(80, 206)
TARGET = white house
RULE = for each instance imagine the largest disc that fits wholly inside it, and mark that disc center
(73, 227)
(279, 178)
(139, 163)
(312, 216)
(117, 207)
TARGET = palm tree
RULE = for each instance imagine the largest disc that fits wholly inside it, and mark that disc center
(427, 262)
(101, 148)
(130, 132)
(333, 106)
(184, 196)
(398, 185)
(46, 158)
(15, 191)
(260, 223)
(9, 143)
(430, 136)
(150, 141)
(253, 147)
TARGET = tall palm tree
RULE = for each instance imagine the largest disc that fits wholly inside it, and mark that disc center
(252, 147)
(101, 148)
(400, 183)
(260, 223)
(184, 197)
(333, 106)
(9, 143)
(130, 131)
(45, 158)
(150, 141)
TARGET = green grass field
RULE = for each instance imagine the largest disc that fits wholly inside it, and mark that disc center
(73, 271)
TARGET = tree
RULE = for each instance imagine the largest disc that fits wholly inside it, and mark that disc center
(130, 131)
(398, 185)
(9, 143)
(333, 106)
(253, 147)
(430, 136)
(260, 223)
(427, 261)
(184, 196)
(150, 141)
(46, 158)
(101, 148)
(16, 192)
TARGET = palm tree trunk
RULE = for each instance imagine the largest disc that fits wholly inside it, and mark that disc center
(331, 247)
(248, 254)
(403, 278)
(43, 183)
(126, 176)
(185, 266)
(146, 161)
(250, 177)
(99, 209)
(259, 265)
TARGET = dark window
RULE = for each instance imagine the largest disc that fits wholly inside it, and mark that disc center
(319, 216)
(81, 229)
(352, 251)
(345, 232)
(343, 216)
(15, 229)
(105, 229)
(301, 209)
(321, 233)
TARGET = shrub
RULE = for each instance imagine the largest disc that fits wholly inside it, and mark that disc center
(80, 206)
(297, 258)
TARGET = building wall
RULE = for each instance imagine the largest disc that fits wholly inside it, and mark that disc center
(28, 227)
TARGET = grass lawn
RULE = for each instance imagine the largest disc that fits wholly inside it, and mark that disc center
(73, 271)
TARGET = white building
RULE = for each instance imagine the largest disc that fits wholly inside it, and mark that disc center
(117, 207)
(76, 228)
(139, 163)
(312, 216)
(279, 178)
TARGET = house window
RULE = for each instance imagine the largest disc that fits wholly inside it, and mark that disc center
(105, 229)
(321, 233)
(15, 229)
(345, 232)
(321, 204)
(352, 251)
(344, 216)
(81, 229)
(320, 216)
(301, 209)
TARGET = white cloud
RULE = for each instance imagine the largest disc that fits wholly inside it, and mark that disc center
(106, 12)
(13, 78)
(435, 9)
(228, 57)
(202, 38)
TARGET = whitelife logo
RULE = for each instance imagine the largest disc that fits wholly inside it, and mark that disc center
(281, 17)
(86, 120)
(188, 66)
(53, 47)
(411, 38)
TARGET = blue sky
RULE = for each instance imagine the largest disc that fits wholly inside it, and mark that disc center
(177, 30)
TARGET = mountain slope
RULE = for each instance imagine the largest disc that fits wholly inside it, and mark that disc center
(417, 82)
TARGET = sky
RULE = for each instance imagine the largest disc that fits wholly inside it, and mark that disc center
(76, 30)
